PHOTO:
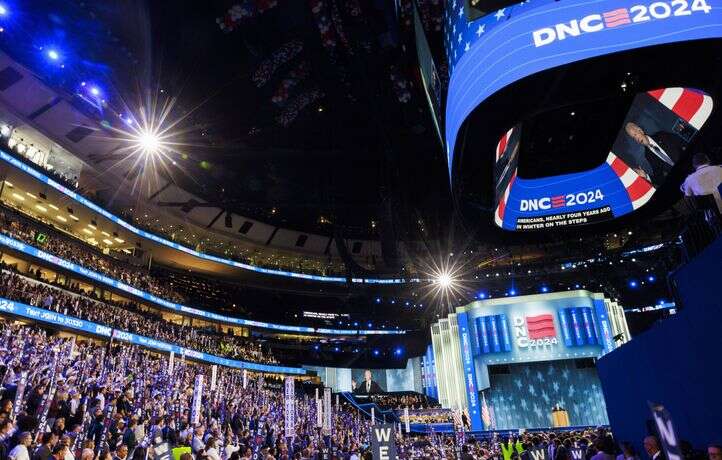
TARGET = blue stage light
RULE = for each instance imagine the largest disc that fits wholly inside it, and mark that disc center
(376, 352)
(512, 292)
(95, 91)
(53, 54)
(633, 284)
(544, 289)
(651, 278)
(336, 349)
(3, 10)
(378, 299)
(370, 325)
(398, 352)
(355, 323)
(316, 347)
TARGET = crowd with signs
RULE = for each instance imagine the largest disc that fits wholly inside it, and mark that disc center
(69, 398)
(126, 316)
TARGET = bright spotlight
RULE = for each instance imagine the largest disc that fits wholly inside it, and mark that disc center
(95, 91)
(3, 10)
(149, 142)
(53, 54)
(445, 280)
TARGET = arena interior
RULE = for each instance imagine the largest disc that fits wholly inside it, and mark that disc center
(360, 229)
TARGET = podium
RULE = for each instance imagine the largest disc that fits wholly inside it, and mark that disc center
(560, 417)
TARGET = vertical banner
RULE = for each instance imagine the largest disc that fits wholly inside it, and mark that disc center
(505, 335)
(564, 324)
(670, 441)
(576, 327)
(472, 396)
(484, 338)
(319, 413)
(383, 442)
(197, 398)
(19, 393)
(494, 334)
(214, 375)
(373, 416)
(605, 333)
(587, 322)
(327, 414)
(289, 407)
(171, 363)
(406, 420)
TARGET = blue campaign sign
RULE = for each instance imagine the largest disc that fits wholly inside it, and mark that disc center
(108, 281)
(69, 322)
(160, 240)
(499, 49)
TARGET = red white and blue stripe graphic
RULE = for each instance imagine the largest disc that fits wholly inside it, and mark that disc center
(691, 105)
(640, 191)
(618, 17)
(503, 142)
(540, 326)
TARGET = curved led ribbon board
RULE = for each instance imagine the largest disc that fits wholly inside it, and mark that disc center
(501, 48)
(171, 244)
(78, 269)
(70, 322)
(653, 137)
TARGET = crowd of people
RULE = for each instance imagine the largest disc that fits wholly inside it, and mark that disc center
(16, 226)
(428, 416)
(75, 399)
(68, 398)
(400, 401)
(126, 316)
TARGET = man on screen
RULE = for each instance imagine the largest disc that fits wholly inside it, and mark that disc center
(661, 149)
(368, 386)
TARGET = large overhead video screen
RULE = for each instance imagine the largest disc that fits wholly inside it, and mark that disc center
(515, 42)
(652, 138)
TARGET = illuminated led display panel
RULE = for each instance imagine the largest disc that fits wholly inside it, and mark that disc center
(652, 139)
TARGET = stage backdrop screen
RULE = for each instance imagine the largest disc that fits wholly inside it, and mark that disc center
(652, 138)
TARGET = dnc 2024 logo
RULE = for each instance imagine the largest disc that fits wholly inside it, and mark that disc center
(636, 14)
(535, 331)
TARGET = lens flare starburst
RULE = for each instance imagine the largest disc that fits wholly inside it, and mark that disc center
(152, 138)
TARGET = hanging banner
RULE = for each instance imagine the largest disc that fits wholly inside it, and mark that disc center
(214, 374)
(328, 415)
(289, 407)
(171, 362)
(197, 397)
(406, 419)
